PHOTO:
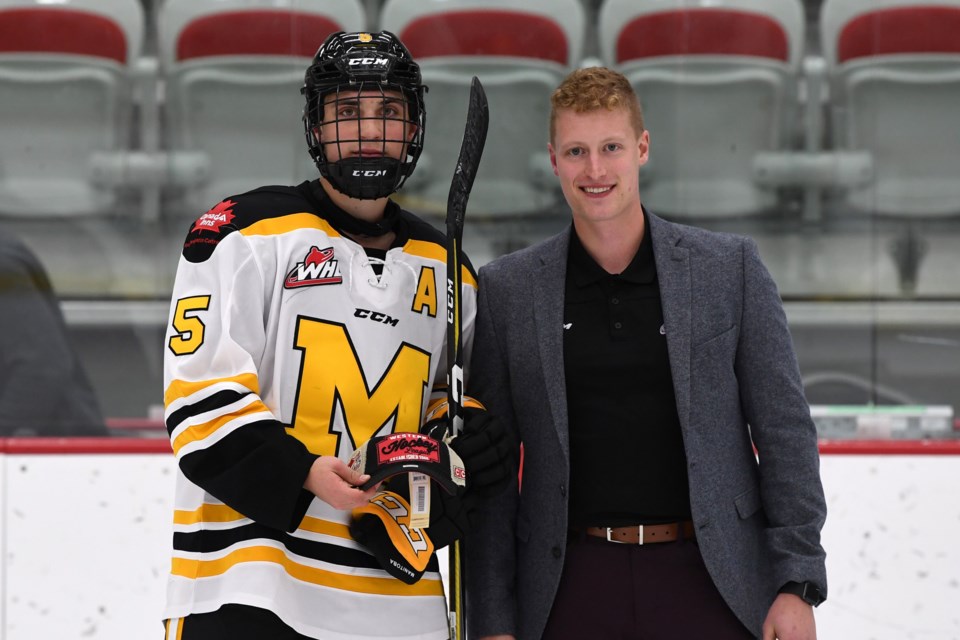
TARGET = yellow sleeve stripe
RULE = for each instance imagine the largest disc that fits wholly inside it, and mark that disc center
(388, 586)
(316, 525)
(207, 513)
(184, 388)
(197, 432)
(223, 513)
(433, 251)
(285, 224)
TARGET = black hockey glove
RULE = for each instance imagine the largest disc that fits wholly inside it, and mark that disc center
(451, 515)
(485, 446)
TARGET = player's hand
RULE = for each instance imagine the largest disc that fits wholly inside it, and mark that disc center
(485, 446)
(490, 449)
(789, 618)
(331, 480)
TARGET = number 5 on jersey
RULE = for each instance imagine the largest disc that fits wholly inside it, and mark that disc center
(188, 326)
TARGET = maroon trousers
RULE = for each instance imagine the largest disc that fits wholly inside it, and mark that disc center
(631, 592)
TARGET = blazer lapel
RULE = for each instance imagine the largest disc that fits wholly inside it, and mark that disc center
(547, 287)
(676, 298)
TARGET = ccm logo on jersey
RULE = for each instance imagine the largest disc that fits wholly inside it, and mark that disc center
(370, 173)
(318, 267)
(376, 316)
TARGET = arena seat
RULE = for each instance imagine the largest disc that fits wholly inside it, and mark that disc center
(521, 52)
(233, 70)
(894, 70)
(717, 81)
(65, 82)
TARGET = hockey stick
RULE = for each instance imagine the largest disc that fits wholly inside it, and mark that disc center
(474, 137)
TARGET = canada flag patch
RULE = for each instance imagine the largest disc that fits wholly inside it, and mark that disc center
(208, 230)
(215, 218)
(318, 267)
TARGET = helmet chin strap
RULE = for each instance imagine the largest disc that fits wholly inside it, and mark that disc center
(363, 178)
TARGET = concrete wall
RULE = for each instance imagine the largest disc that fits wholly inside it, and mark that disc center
(85, 532)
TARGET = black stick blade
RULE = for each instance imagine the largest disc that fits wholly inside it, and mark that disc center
(474, 137)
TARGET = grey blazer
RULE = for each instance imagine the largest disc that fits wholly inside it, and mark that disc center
(757, 517)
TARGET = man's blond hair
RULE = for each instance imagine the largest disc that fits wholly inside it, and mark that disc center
(595, 88)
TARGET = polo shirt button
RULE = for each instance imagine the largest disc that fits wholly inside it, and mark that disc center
(618, 325)
(615, 300)
(557, 552)
(563, 490)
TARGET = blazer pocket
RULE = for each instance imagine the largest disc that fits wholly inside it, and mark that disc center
(748, 503)
(718, 339)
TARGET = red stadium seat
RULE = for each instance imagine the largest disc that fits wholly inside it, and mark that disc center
(66, 30)
(521, 52)
(894, 69)
(717, 81)
(711, 31)
(65, 77)
(254, 32)
(234, 69)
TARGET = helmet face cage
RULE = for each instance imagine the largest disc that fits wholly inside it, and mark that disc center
(364, 114)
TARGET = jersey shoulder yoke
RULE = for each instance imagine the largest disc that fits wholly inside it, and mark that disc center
(239, 212)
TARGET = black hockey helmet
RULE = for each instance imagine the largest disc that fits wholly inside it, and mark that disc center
(348, 64)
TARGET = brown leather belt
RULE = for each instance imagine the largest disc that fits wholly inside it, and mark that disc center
(644, 534)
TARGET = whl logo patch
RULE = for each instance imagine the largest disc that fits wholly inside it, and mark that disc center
(318, 267)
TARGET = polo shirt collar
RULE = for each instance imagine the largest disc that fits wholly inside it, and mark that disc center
(586, 271)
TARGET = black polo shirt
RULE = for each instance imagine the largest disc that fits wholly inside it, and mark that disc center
(627, 462)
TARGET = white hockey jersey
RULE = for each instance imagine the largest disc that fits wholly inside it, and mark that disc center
(283, 344)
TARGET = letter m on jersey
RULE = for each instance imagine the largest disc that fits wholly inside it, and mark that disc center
(333, 382)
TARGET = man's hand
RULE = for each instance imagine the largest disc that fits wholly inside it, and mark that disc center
(331, 480)
(789, 618)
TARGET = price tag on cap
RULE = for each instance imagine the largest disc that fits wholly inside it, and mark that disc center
(419, 500)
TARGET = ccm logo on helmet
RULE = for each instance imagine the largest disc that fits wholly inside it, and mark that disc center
(369, 173)
(374, 62)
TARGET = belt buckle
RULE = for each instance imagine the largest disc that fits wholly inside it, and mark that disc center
(639, 538)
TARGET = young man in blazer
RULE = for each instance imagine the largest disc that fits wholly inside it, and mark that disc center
(670, 481)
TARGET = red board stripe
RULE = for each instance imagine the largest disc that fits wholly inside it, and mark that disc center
(81, 446)
(890, 447)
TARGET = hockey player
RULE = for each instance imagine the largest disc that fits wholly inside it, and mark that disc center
(305, 321)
